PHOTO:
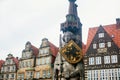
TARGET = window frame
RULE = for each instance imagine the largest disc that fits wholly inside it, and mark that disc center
(102, 45)
(114, 59)
(107, 60)
(100, 35)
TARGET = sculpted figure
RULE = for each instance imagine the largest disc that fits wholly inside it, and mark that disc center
(71, 71)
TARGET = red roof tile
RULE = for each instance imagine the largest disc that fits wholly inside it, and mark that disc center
(83, 48)
(1, 63)
(16, 61)
(53, 49)
(35, 50)
(113, 31)
(91, 34)
(110, 29)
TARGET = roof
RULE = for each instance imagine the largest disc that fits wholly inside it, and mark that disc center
(16, 61)
(91, 34)
(32, 47)
(1, 63)
(35, 50)
(53, 49)
(110, 29)
(83, 48)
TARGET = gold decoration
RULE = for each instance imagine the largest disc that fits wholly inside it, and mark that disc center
(72, 52)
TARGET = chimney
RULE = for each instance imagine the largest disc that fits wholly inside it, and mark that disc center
(118, 23)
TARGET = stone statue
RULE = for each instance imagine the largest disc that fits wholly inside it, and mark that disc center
(72, 71)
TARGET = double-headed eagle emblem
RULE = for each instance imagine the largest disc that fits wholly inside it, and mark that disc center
(72, 52)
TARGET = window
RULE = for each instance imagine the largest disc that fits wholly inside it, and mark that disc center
(12, 76)
(106, 59)
(8, 68)
(37, 75)
(48, 74)
(114, 59)
(28, 54)
(101, 45)
(29, 75)
(43, 60)
(101, 35)
(9, 61)
(47, 60)
(98, 60)
(119, 74)
(38, 61)
(1, 76)
(46, 51)
(89, 75)
(95, 74)
(94, 46)
(7, 76)
(91, 61)
(24, 55)
(109, 44)
(44, 73)
(13, 68)
(29, 63)
(41, 51)
(20, 76)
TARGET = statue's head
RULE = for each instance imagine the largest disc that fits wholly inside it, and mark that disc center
(68, 36)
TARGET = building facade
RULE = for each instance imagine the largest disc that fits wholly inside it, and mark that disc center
(102, 58)
(45, 61)
(9, 68)
(27, 62)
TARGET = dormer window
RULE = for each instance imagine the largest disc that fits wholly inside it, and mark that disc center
(101, 35)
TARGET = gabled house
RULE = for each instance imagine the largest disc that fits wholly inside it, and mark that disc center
(27, 62)
(45, 60)
(102, 57)
(9, 68)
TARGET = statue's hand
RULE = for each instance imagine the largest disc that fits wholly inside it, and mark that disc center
(74, 73)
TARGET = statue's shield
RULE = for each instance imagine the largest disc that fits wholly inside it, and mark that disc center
(72, 52)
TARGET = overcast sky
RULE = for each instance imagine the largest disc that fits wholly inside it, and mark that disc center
(32, 20)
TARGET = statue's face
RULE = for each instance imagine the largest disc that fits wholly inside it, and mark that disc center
(68, 36)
